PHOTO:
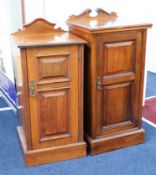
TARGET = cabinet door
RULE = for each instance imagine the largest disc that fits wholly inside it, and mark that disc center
(118, 68)
(53, 89)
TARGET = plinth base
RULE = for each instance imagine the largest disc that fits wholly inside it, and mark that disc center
(116, 141)
(52, 154)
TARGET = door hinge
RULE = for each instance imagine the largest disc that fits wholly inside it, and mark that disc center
(99, 84)
(32, 88)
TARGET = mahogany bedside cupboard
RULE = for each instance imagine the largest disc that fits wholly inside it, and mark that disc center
(50, 93)
(114, 74)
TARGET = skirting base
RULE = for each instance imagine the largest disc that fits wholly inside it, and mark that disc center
(48, 155)
(109, 143)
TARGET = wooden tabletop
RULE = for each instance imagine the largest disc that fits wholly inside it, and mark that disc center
(104, 21)
(43, 33)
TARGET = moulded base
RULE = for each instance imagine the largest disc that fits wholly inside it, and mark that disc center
(116, 141)
(52, 154)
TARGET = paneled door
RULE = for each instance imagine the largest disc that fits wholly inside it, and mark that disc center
(114, 76)
(118, 81)
(53, 90)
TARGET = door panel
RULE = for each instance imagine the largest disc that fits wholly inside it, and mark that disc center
(54, 113)
(53, 68)
(119, 57)
(118, 81)
(54, 105)
(117, 100)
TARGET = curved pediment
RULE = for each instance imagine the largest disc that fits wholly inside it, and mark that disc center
(40, 25)
(87, 15)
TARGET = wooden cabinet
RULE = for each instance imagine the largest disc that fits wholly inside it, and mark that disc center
(114, 74)
(51, 93)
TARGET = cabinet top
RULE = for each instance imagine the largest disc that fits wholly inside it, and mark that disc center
(104, 21)
(41, 33)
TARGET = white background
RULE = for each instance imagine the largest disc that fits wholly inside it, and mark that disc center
(58, 11)
(10, 20)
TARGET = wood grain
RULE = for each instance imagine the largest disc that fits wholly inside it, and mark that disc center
(86, 15)
(117, 103)
(52, 101)
(52, 154)
(117, 141)
(104, 22)
(51, 96)
(114, 64)
(43, 33)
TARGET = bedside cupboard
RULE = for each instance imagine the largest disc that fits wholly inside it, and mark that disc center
(114, 75)
(50, 93)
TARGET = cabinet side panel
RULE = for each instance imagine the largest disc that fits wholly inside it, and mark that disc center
(81, 91)
(142, 69)
(89, 81)
(23, 96)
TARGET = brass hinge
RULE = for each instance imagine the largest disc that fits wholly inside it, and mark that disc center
(32, 88)
(99, 84)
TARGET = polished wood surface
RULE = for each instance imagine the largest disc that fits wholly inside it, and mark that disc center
(23, 96)
(104, 22)
(51, 154)
(51, 93)
(116, 141)
(43, 33)
(56, 94)
(114, 74)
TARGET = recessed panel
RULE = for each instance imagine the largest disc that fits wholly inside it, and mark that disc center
(118, 57)
(53, 68)
(54, 112)
(117, 103)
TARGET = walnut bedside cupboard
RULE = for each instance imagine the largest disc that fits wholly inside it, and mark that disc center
(50, 93)
(114, 74)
